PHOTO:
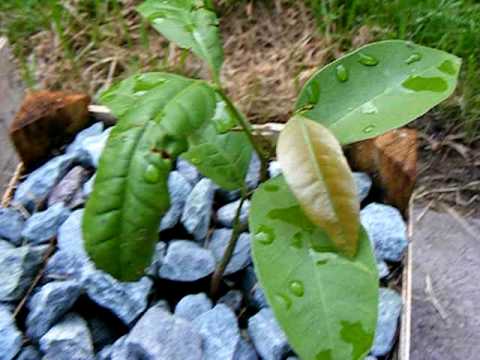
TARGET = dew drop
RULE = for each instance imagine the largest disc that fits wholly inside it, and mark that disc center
(297, 240)
(368, 129)
(413, 58)
(296, 288)
(284, 300)
(152, 174)
(369, 108)
(342, 73)
(264, 235)
(313, 92)
(420, 83)
(195, 161)
(367, 60)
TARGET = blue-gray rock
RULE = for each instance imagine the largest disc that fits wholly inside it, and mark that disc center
(251, 287)
(226, 214)
(91, 148)
(66, 190)
(233, 299)
(5, 245)
(228, 196)
(241, 254)
(126, 300)
(274, 169)
(18, 267)
(363, 183)
(389, 309)
(186, 261)
(88, 186)
(268, 338)
(253, 173)
(383, 270)
(370, 358)
(296, 358)
(188, 171)
(42, 226)
(94, 130)
(11, 225)
(103, 331)
(116, 351)
(198, 209)
(245, 351)
(157, 260)
(220, 333)
(160, 335)
(163, 304)
(10, 337)
(32, 192)
(69, 339)
(65, 265)
(192, 306)
(386, 229)
(258, 299)
(70, 237)
(49, 304)
(29, 353)
(179, 189)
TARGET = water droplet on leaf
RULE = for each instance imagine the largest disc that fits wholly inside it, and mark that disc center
(264, 235)
(447, 67)
(296, 288)
(342, 73)
(369, 108)
(421, 83)
(152, 174)
(284, 300)
(413, 58)
(195, 161)
(367, 60)
(368, 129)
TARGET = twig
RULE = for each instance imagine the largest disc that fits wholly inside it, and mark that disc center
(218, 274)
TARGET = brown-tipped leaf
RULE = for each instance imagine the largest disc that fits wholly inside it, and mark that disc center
(317, 172)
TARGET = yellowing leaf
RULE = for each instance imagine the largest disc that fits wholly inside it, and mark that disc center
(317, 172)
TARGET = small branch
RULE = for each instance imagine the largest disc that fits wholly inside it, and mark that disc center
(218, 274)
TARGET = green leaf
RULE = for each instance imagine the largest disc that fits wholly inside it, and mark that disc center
(377, 88)
(325, 303)
(130, 193)
(122, 96)
(317, 172)
(190, 24)
(224, 158)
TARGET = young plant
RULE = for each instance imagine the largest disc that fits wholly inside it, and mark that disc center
(312, 257)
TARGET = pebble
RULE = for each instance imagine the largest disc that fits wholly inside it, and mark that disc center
(390, 307)
(268, 338)
(189, 172)
(363, 183)
(251, 287)
(88, 186)
(6, 245)
(18, 267)
(127, 300)
(92, 147)
(274, 169)
(69, 339)
(65, 265)
(383, 270)
(94, 130)
(160, 335)
(103, 330)
(258, 299)
(11, 225)
(29, 353)
(68, 188)
(10, 337)
(42, 226)
(241, 254)
(158, 257)
(32, 192)
(186, 261)
(227, 196)
(245, 351)
(179, 189)
(233, 299)
(70, 237)
(192, 306)
(226, 214)
(252, 179)
(198, 209)
(386, 229)
(219, 330)
(116, 351)
(49, 304)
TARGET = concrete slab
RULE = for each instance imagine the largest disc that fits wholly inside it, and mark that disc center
(11, 95)
(446, 288)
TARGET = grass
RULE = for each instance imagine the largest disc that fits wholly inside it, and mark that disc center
(87, 44)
